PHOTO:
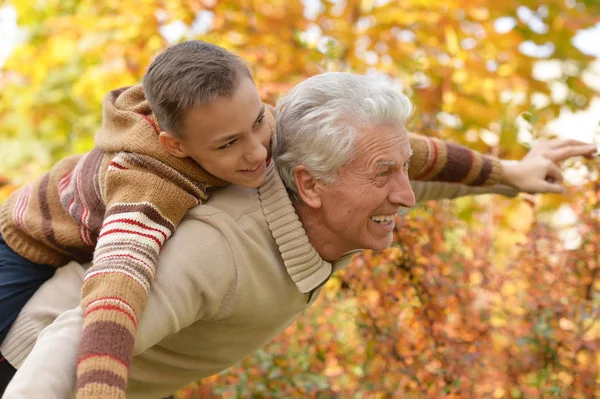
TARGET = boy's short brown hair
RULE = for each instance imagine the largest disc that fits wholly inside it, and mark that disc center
(190, 74)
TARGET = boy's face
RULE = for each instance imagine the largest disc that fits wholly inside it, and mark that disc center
(230, 137)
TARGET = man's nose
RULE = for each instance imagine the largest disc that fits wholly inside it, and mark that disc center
(401, 193)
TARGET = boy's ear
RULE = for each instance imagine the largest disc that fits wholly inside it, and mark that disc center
(307, 186)
(172, 144)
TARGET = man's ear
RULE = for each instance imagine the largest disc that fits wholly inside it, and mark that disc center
(307, 186)
(172, 144)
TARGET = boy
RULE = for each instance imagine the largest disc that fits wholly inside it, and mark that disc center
(197, 124)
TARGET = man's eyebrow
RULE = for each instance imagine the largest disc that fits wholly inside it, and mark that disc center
(385, 163)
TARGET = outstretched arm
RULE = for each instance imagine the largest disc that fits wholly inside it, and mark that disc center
(537, 172)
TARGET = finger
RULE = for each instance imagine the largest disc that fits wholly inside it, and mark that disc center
(547, 187)
(554, 174)
(558, 143)
(593, 153)
(560, 154)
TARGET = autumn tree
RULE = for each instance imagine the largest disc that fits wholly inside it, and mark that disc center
(478, 297)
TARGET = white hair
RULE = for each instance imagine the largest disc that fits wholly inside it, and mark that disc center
(319, 119)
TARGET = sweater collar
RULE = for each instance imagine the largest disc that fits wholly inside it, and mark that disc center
(304, 265)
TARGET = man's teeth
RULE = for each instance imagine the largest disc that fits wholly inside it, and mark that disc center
(383, 219)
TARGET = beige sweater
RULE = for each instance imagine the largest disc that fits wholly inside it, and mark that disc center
(238, 271)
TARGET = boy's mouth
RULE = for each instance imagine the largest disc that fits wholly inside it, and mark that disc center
(253, 169)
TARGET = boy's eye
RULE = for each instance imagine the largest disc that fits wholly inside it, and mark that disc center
(227, 145)
(260, 120)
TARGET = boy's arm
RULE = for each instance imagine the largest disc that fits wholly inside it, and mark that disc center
(537, 172)
(184, 291)
(145, 201)
(437, 160)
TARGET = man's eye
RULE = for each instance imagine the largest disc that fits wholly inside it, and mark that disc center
(407, 164)
(226, 146)
(382, 174)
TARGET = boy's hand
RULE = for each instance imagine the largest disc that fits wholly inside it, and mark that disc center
(538, 171)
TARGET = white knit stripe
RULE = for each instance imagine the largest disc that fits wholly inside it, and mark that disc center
(137, 221)
(126, 267)
(113, 301)
(122, 257)
(20, 207)
(141, 217)
(64, 182)
(118, 238)
(430, 153)
(134, 228)
(140, 251)
(86, 235)
(121, 160)
(140, 281)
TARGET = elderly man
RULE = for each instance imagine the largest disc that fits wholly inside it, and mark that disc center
(242, 267)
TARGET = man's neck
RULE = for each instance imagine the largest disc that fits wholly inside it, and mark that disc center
(317, 233)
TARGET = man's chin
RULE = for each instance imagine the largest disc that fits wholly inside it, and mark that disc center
(381, 245)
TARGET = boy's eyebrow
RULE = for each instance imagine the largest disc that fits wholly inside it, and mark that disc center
(260, 113)
(235, 135)
(226, 138)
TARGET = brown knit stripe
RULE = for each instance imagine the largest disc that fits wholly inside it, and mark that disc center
(91, 364)
(111, 312)
(110, 339)
(99, 391)
(475, 170)
(458, 164)
(197, 189)
(105, 377)
(33, 249)
(438, 156)
(486, 170)
(90, 192)
(80, 254)
(151, 212)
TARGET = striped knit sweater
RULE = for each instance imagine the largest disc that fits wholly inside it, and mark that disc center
(117, 205)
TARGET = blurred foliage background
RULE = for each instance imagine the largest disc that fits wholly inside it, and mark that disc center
(479, 297)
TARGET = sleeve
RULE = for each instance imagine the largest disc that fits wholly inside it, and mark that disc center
(145, 201)
(51, 363)
(426, 191)
(437, 160)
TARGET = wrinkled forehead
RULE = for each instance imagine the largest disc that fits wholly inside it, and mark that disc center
(381, 145)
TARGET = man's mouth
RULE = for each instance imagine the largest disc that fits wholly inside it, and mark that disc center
(384, 219)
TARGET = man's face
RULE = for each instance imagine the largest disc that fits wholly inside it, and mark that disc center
(230, 137)
(359, 209)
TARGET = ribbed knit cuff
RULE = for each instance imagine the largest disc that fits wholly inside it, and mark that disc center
(20, 341)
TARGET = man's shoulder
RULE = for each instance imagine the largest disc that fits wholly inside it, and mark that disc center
(230, 202)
